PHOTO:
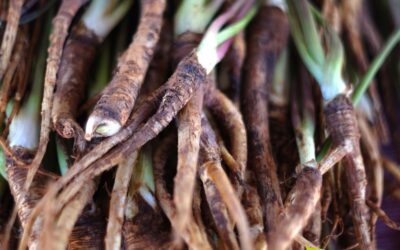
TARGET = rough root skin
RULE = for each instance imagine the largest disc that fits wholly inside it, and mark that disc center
(342, 125)
(10, 33)
(220, 192)
(268, 34)
(78, 56)
(303, 199)
(61, 23)
(189, 130)
(194, 235)
(180, 88)
(119, 97)
(26, 201)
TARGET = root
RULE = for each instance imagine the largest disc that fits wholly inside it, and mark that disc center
(232, 120)
(194, 235)
(304, 198)
(212, 174)
(78, 55)
(10, 33)
(383, 216)
(62, 233)
(118, 202)
(61, 23)
(189, 130)
(232, 65)
(342, 126)
(374, 169)
(119, 97)
(12, 76)
(218, 209)
(252, 205)
(26, 201)
(269, 31)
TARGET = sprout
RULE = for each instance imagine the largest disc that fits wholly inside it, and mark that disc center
(326, 67)
(215, 43)
(194, 15)
(25, 126)
(374, 67)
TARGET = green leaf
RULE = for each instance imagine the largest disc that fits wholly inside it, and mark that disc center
(374, 67)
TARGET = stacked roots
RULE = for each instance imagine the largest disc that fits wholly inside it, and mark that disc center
(119, 130)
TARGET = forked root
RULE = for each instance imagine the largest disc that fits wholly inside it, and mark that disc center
(212, 174)
(342, 125)
(302, 201)
(194, 235)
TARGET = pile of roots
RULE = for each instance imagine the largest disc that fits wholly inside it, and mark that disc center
(198, 124)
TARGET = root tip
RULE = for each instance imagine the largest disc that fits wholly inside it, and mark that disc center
(99, 127)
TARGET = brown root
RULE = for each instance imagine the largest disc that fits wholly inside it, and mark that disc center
(118, 202)
(10, 33)
(88, 232)
(61, 23)
(78, 55)
(252, 205)
(63, 231)
(269, 32)
(16, 70)
(302, 201)
(374, 169)
(212, 174)
(232, 68)
(26, 201)
(227, 113)
(194, 235)
(342, 126)
(119, 97)
(383, 216)
(189, 131)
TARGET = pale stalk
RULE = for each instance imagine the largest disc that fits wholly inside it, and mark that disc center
(194, 15)
(216, 42)
(118, 202)
(25, 127)
(103, 15)
(62, 157)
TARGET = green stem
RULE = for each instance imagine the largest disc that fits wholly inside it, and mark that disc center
(102, 71)
(235, 28)
(3, 172)
(61, 157)
(103, 15)
(305, 142)
(280, 85)
(142, 181)
(3, 187)
(374, 67)
(325, 149)
(212, 48)
(24, 128)
(365, 81)
(195, 15)
(326, 67)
